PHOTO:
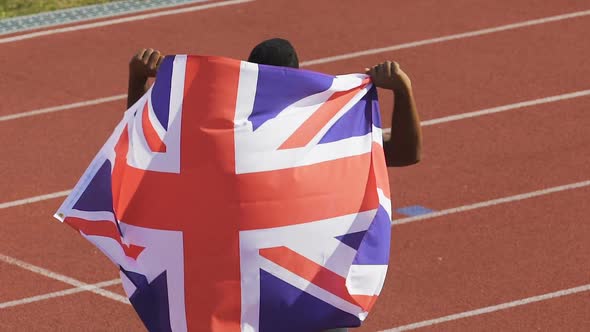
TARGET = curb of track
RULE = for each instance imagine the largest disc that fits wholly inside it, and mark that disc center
(85, 13)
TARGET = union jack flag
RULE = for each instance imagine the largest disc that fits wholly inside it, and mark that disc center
(243, 197)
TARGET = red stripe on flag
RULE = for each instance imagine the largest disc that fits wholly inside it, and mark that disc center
(120, 198)
(314, 273)
(104, 228)
(365, 301)
(151, 135)
(213, 299)
(281, 198)
(309, 129)
(380, 168)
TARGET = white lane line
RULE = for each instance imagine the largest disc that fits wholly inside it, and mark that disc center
(469, 34)
(62, 278)
(493, 308)
(62, 107)
(504, 108)
(121, 20)
(455, 117)
(492, 202)
(30, 200)
(350, 55)
(62, 293)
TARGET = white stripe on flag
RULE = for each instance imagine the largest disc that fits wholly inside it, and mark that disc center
(366, 279)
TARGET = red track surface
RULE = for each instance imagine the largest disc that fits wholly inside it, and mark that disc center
(446, 265)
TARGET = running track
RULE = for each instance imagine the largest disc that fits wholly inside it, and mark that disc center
(488, 259)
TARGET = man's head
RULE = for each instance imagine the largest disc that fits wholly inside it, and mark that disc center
(276, 52)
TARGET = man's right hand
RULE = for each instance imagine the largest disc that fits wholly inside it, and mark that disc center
(144, 64)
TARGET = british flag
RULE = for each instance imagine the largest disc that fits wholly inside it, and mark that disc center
(243, 197)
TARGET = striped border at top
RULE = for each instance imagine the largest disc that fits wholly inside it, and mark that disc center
(84, 13)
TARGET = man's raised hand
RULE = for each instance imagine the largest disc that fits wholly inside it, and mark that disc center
(388, 75)
(144, 64)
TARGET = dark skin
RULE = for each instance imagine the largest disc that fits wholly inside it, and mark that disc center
(402, 146)
(143, 65)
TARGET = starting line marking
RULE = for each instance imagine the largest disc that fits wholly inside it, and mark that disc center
(63, 278)
(64, 292)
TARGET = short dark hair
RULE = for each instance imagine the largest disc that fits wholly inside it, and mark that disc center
(276, 52)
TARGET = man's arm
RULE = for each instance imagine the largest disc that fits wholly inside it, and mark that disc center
(142, 66)
(402, 147)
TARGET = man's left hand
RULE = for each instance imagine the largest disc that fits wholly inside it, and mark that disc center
(388, 75)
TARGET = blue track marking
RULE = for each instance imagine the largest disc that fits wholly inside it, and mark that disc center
(414, 210)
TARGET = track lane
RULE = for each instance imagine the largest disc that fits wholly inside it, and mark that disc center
(496, 156)
(14, 288)
(551, 165)
(545, 74)
(56, 74)
(568, 313)
(451, 163)
(30, 234)
(83, 164)
(453, 261)
(503, 86)
(78, 312)
(52, 151)
(490, 70)
(484, 257)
